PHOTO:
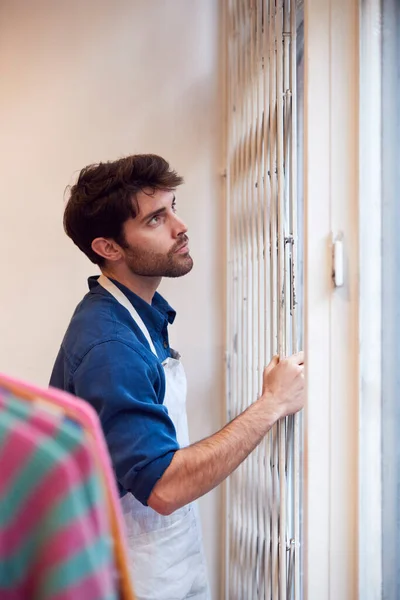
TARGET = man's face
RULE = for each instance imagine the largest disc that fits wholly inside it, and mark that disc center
(156, 240)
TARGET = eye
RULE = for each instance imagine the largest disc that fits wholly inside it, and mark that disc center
(154, 221)
(174, 209)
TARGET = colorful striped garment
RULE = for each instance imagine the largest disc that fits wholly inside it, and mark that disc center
(83, 414)
(55, 540)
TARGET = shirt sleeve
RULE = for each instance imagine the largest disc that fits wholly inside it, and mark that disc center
(127, 393)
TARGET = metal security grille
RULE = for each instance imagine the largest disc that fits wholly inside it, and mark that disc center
(263, 495)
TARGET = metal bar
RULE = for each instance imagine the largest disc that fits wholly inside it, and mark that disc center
(273, 291)
(281, 280)
(267, 289)
(297, 591)
(241, 280)
(230, 286)
(231, 174)
(253, 292)
(261, 450)
(247, 290)
(235, 111)
(256, 533)
(242, 588)
(291, 240)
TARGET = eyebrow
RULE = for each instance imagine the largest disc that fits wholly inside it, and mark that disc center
(155, 213)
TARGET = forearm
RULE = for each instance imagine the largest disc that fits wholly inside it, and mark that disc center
(199, 468)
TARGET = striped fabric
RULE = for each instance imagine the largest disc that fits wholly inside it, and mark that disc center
(54, 535)
(81, 413)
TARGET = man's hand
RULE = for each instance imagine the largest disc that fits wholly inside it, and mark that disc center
(283, 385)
(197, 469)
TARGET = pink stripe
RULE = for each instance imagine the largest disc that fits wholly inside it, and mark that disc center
(65, 543)
(14, 594)
(73, 469)
(19, 446)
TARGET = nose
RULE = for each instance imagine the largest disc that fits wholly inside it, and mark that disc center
(179, 227)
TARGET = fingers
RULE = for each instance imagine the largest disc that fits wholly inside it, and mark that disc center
(297, 359)
(272, 364)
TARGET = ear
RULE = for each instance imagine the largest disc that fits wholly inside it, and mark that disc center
(107, 248)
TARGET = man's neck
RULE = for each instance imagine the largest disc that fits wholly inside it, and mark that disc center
(144, 287)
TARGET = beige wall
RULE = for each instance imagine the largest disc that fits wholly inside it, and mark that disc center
(89, 81)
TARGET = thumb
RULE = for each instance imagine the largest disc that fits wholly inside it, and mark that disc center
(272, 364)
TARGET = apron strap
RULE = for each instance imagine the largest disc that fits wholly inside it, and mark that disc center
(123, 300)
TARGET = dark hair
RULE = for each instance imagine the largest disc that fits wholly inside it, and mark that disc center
(104, 197)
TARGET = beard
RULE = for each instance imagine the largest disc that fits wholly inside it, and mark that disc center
(148, 263)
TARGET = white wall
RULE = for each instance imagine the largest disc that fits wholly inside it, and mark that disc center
(89, 81)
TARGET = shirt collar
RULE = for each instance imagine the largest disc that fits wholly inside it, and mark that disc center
(155, 315)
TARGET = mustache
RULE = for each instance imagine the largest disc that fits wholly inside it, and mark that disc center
(183, 240)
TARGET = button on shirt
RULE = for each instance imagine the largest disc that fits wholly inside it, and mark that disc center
(106, 360)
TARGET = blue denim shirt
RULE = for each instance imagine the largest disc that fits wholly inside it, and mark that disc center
(106, 360)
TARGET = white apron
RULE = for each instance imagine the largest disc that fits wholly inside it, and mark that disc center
(166, 552)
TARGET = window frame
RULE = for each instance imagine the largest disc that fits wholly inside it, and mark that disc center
(331, 314)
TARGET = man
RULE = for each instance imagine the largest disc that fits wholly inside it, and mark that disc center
(116, 355)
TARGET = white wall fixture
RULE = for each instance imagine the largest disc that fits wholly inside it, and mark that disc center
(263, 495)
